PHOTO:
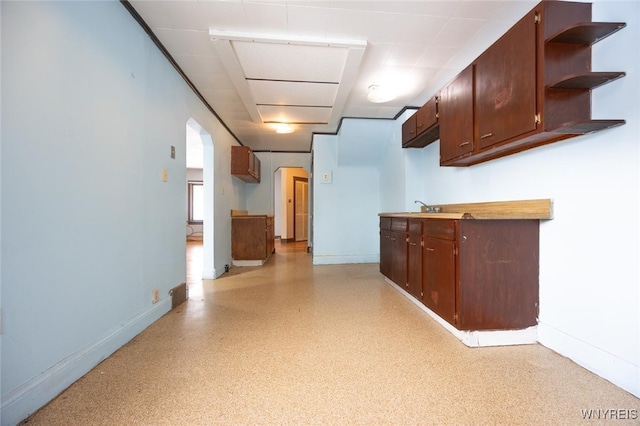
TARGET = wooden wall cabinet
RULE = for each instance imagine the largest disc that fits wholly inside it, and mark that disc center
(531, 87)
(244, 164)
(252, 239)
(422, 128)
(456, 117)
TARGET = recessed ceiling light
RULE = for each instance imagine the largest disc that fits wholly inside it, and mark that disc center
(379, 94)
(283, 128)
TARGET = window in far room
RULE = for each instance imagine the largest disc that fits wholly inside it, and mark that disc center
(196, 202)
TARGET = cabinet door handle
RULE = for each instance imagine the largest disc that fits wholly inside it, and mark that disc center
(429, 249)
(488, 135)
(465, 143)
(413, 244)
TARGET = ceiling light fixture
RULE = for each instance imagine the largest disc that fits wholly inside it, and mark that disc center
(283, 128)
(379, 94)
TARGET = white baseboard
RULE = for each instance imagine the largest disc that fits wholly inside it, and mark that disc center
(35, 393)
(339, 260)
(622, 373)
(477, 338)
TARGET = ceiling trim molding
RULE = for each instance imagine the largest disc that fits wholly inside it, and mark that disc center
(174, 64)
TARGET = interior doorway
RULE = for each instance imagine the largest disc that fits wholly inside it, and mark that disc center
(291, 204)
(199, 164)
(300, 208)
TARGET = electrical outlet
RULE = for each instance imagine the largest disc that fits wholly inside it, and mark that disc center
(326, 177)
(155, 295)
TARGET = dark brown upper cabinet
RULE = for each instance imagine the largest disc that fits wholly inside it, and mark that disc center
(531, 87)
(456, 117)
(244, 164)
(422, 128)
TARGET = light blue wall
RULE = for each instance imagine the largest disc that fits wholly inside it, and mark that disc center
(345, 210)
(90, 109)
(259, 197)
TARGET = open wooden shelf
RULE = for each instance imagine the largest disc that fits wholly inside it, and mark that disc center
(587, 33)
(587, 126)
(589, 80)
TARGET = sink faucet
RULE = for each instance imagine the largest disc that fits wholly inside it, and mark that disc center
(428, 209)
(420, 202)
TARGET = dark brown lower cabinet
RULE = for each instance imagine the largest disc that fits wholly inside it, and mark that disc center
(497, 274)
(393, 249)
(252, 237)
(476, 274)
(414, 259)
(439, 277)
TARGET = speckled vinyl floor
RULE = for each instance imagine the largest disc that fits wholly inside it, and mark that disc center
(289, 343)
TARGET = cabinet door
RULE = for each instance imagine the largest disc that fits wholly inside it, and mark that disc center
(409, 130)
(385, 253)
(505, 84)
(255, 167)
(440, 278)
(427, 116)
(414, 266)
(399, 258)
(456, 117)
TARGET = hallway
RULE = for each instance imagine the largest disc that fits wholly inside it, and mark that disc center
(292, 343)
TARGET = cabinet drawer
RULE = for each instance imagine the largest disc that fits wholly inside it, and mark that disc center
(385, 223)
(415, 226)
(439, 228)
(399, 224)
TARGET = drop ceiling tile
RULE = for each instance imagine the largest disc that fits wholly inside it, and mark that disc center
(404, 55)
(225, 15)
(266, 18)
(293, 93)
(458, 31)
(442, 8)
(171, 14)
(201, 64)
(420, 29)
(307, 21)
(185, 42)
(436, 56)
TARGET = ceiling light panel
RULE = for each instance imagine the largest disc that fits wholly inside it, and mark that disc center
(276, 61)
(292, 93)
(294, 79)
(292, 114)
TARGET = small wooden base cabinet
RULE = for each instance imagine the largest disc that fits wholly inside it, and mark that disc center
(252, 239)
(474, 274)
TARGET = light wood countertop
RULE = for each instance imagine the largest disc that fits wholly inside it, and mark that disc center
(519, 209)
